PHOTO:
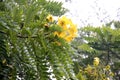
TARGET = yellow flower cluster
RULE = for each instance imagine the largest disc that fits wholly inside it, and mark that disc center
(69, 29)
(96, 61)
(50, 18)
(95, 72)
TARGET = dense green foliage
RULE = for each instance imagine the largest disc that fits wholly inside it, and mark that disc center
(27, 46)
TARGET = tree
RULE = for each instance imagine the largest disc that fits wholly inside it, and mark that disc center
(29, 47)
(102, 42)
(116, 25)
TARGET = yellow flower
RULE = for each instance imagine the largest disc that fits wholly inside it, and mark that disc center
(46, 25)
(111, 74)
(96, 61)
(50, 18)
(68, 38)
(64, 27)
(69, 29)
(73, 28)
(70, 21)
(107, 67)
(63, 21)
(73, 31)
(62, 34)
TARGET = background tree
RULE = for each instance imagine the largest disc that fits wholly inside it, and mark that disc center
(102, 42)
(116, 25)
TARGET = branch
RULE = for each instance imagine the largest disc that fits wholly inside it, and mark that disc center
(19, 35)
(26, 36)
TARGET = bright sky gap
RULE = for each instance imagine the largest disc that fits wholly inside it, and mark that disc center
(92, 12)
